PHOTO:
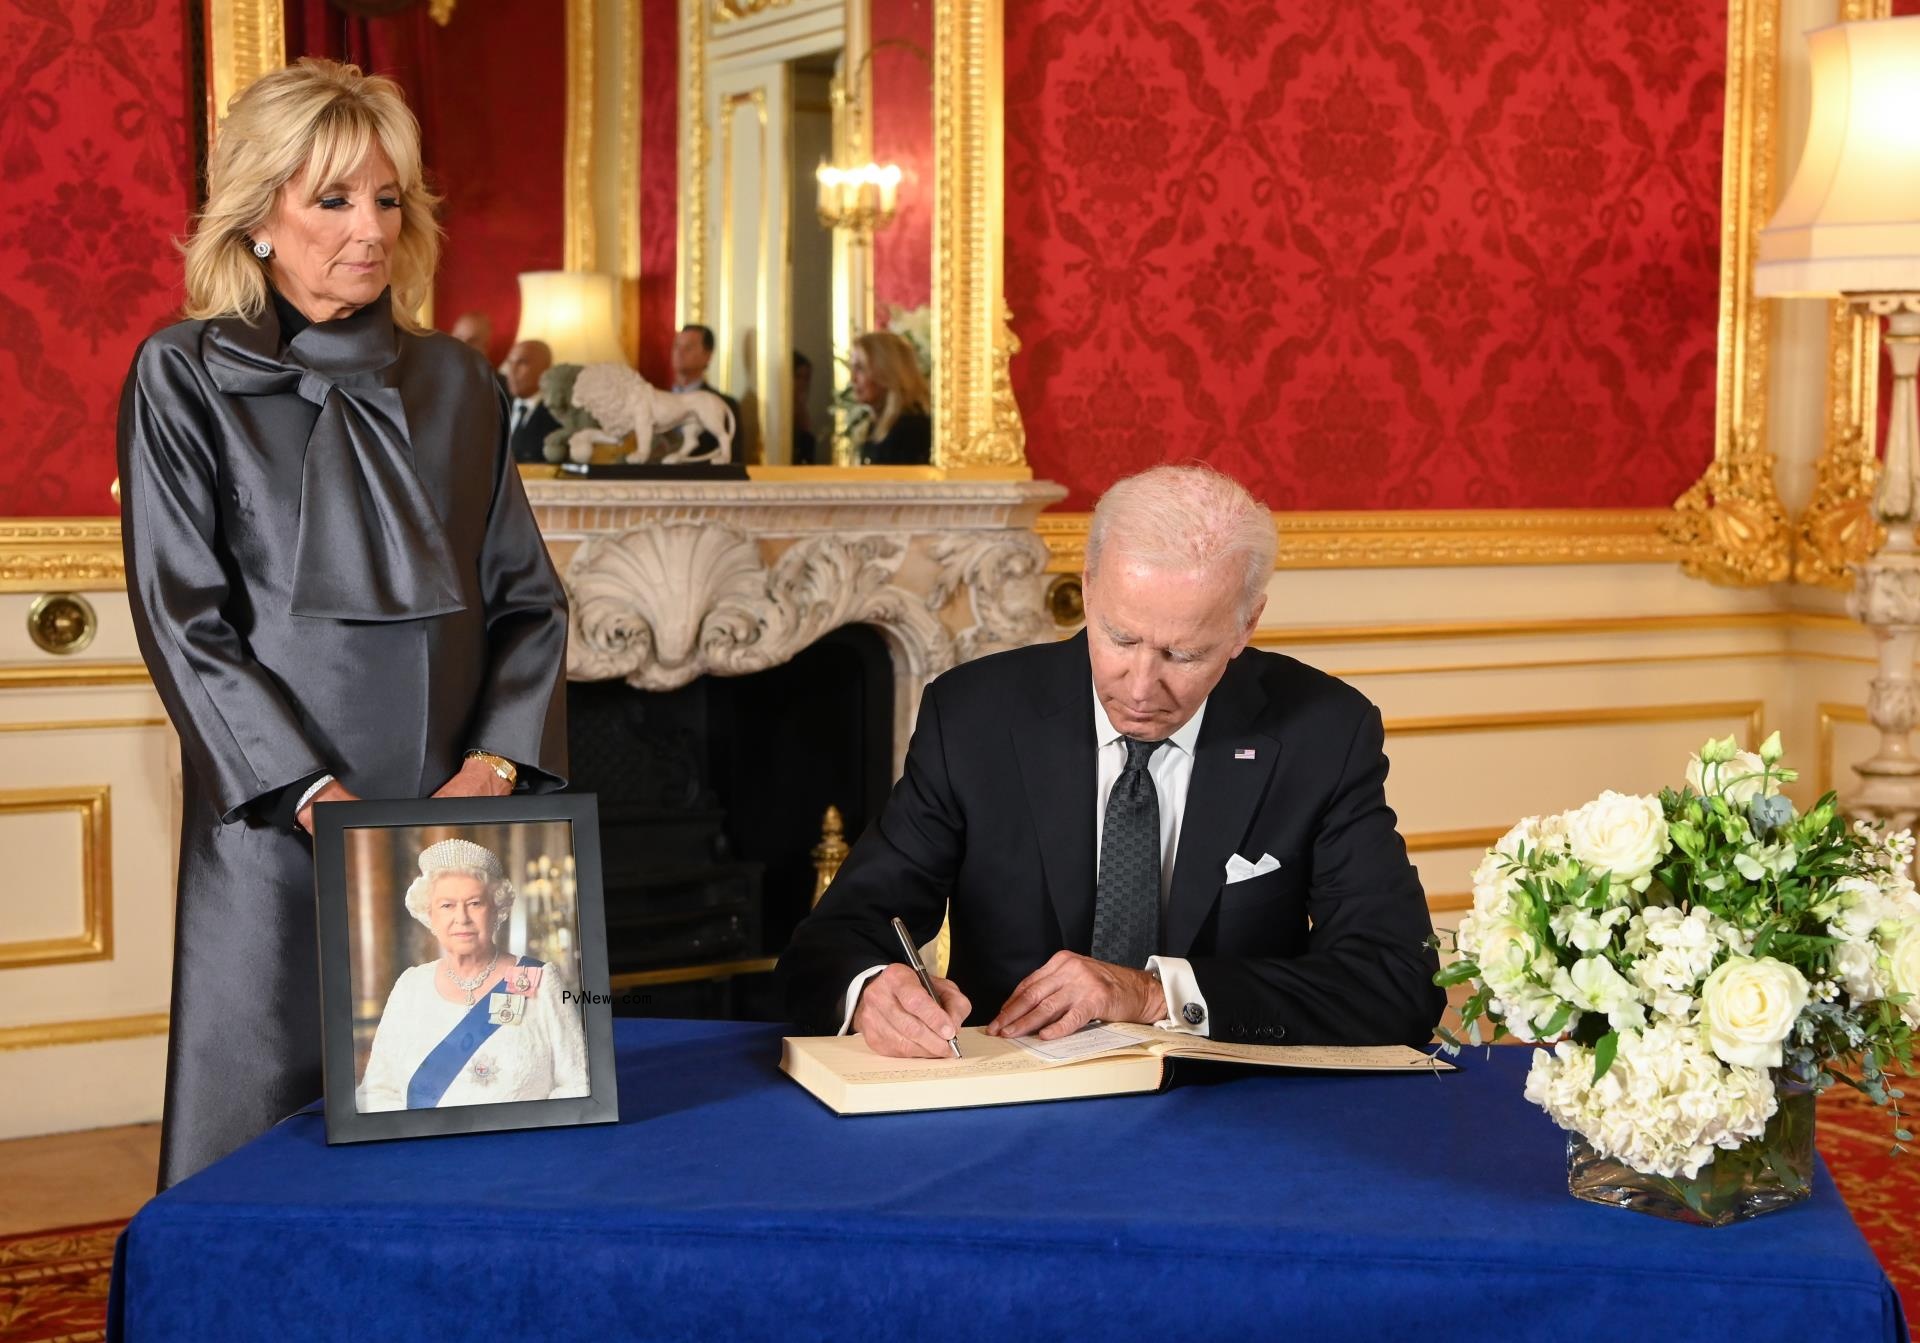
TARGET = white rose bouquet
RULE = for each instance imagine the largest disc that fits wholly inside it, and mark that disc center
(1688, 955)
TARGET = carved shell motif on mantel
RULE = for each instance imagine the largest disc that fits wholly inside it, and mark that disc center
(664, 603)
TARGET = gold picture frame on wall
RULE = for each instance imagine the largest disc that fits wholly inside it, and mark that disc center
(977, 429)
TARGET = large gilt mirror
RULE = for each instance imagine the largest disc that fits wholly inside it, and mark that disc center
(791, 175)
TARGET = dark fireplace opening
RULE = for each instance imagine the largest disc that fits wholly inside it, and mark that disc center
(711, 801)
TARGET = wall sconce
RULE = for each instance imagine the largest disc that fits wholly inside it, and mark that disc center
(863, 198)
(575, 312)
(860, 197)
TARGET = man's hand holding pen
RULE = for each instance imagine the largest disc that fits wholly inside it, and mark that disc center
(898, 1019)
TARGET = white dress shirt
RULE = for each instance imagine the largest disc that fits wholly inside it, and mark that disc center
(522, 412)
(1171, 768)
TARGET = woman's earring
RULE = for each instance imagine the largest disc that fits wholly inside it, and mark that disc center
(263, 250)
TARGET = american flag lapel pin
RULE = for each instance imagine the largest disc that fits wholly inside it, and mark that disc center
(1244, 753)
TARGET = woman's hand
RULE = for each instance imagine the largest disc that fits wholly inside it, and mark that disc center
(475, 779)
(335, 791)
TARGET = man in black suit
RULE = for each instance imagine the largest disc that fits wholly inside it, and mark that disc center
(528, 419)
(692, 353)
(1148, 822)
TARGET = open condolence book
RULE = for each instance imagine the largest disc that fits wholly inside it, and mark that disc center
(1108, 1060)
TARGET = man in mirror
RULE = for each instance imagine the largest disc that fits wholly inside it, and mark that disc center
(1149, 822)
(475, 329)
(806, 448)
(528, 421)
(692, 353)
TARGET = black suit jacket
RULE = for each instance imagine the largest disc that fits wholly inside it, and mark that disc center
(529, 440)
(995, 813)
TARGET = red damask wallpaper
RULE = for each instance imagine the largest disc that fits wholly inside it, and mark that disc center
(659, 185)
(489, 91)
(1437, 254)
(96, 158)
(903, 135)
(499, 115)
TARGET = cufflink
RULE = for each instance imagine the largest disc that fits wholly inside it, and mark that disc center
(1194, 1013)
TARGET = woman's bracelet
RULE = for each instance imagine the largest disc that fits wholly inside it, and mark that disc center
(500, 765)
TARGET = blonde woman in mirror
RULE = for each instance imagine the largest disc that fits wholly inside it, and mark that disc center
(476, 1024)
(886, 376)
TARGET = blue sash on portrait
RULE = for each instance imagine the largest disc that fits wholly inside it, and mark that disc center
(438, 1069)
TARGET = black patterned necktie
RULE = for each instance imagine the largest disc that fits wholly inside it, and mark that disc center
(1126, 909)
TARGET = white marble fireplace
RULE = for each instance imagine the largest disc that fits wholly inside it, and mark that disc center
(674, 580)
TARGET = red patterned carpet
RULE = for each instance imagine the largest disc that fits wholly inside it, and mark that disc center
(53, 1284)
(1882, 1190)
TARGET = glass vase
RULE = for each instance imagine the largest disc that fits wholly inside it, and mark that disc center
(1761, 1175)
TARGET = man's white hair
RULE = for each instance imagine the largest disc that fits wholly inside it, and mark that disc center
(1185, 518)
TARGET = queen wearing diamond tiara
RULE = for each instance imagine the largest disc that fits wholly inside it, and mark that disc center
(476, 1024)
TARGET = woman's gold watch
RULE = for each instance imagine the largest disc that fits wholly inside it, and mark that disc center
(499, 764)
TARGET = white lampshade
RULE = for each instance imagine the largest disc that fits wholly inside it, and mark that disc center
(576, 312)
(1850, 222)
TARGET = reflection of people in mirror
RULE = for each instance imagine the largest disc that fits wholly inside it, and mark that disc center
(886, 376)
(692, 353)
(475, 329)
(805, 446)
(528, 421)
(475, 1025)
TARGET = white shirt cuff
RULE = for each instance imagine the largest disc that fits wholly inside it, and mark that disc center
(853, 997)
(1186, 1008)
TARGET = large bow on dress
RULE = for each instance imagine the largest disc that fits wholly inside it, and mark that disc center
(370, 544)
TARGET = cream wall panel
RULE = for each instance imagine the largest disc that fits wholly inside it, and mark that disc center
(64, 1027)
(1576, 591)
(134, 763)
(45, 895)
(83, 1086)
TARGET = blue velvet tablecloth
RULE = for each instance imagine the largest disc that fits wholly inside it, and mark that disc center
(728, 1203)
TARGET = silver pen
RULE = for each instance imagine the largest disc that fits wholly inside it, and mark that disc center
(926, 980)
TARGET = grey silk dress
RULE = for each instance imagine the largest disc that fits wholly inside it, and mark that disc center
(333, 569)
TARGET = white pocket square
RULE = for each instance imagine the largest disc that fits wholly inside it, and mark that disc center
(1240, 869)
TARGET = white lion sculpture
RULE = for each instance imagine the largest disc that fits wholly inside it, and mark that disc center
(626, 403)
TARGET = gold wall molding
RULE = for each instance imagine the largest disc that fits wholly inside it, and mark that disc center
(728, 11)
(1563, 664)
(1434, 725)
(975, 420)
(1830, 714)
(94, 941)
(1282, 635)
(632, 46)
(83, 1032)
(78, 554)
(1731, 524)
(1838, 529)
(83, 724)
(696, 144)
(245, 39)
(578, 250)
(68, 675)
(1439, 538)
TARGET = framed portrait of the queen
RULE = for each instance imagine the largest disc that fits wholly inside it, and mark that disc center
(463, 966)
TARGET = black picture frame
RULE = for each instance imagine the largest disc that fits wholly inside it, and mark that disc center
(333, 823)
